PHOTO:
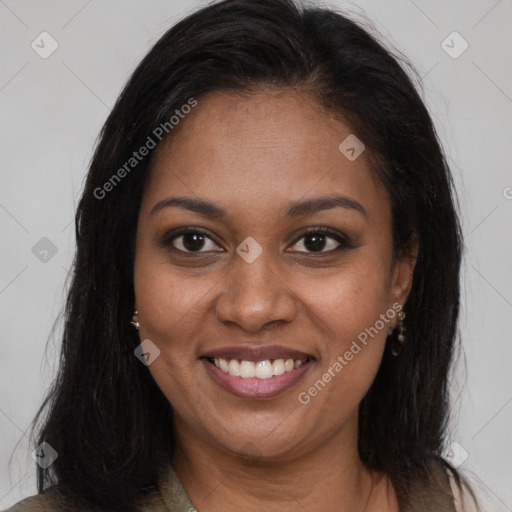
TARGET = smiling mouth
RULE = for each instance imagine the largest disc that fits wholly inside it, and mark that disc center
(265, 369)
(259, 379)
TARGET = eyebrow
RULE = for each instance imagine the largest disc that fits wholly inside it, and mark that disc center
(295, 209)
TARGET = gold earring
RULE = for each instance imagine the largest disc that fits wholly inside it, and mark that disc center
(135, 320)
(396, 347)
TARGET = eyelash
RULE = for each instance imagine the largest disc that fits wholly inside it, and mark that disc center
(344, 241)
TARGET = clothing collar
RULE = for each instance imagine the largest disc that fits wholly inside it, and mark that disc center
(173, 494)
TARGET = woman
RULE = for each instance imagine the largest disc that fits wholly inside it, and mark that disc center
(266, 285)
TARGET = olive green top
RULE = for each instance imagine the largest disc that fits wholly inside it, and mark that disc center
(171, 497)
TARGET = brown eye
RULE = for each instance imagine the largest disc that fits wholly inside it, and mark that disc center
(192, 241)
(321, 240)
(189, 240)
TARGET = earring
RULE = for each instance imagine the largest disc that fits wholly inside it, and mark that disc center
(397, 346)
(135, 320)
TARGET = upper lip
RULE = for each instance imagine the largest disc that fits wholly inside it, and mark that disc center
(256, 354)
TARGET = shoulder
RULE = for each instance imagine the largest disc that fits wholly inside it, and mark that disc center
(52, 501)
(462, 497)
(49, 501)
(37, 503)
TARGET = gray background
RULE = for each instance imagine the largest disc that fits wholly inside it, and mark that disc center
(52, 110)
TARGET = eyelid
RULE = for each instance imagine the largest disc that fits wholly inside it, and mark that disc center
(343, 240)
(169, 236)
(339, 236)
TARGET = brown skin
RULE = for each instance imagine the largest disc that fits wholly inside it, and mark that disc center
(252, 155)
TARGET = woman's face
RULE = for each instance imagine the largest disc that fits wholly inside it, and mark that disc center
(248, 286)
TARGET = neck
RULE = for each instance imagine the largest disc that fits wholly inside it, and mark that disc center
(216, 479)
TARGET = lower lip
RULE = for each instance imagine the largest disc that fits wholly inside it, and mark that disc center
(257, 388)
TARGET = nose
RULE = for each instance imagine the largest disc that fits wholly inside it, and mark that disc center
(254, 295)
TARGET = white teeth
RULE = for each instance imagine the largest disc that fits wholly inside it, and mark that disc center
(278, 367)
(261, 370)
(234, 367)
(247, 369)
(288, 365)
(264, 370)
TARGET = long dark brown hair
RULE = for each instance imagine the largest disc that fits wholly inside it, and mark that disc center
(105, 416)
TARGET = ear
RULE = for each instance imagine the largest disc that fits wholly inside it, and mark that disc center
(403, 271)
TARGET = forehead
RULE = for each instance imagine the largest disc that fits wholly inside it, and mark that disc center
(260, 149)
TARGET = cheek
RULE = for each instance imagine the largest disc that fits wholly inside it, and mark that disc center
(170, 315)
(350, 358)
(171, 311)
(352, 310)
(166, 297)
(353, 298)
